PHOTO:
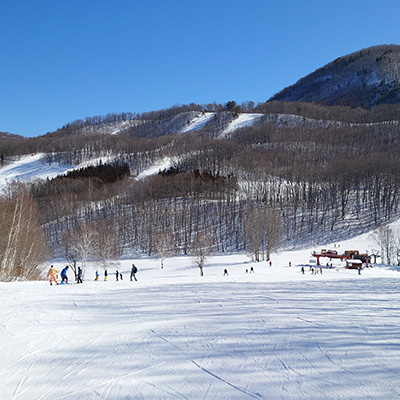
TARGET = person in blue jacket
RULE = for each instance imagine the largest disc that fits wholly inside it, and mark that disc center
(64, 276)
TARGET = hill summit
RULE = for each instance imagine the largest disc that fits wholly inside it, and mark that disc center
(365, 78)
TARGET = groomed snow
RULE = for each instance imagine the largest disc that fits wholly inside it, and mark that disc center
(36, 166)
(241, 121)
(274, 334)
(154, 169)
(198, 122)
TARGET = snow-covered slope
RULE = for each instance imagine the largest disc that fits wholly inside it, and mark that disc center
(154, 169)
(30, 167)
(198, 121)
(274, 334)
(36, 166)
(242, 121)
(33, 167)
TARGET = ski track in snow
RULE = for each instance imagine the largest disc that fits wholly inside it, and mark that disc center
(274, 334)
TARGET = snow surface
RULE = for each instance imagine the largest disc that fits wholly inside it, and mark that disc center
(198, 122)
(274, 334)
(154, 169)
(34, 167)
(242, 121)
(29, 168)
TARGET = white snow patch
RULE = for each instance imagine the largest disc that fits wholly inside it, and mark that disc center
(242, 121)
(154, 169)
(32, 167)
(198, 122)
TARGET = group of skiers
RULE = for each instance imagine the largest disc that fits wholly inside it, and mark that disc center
(52, 275)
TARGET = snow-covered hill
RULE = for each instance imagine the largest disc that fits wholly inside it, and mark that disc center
(274, 334)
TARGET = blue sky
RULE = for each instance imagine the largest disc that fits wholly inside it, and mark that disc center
(63, 60)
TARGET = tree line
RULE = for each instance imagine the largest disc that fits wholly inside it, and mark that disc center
(311, 184)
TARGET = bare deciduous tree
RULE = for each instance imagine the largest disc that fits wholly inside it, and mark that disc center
(201, 248)
(82, 240)
(22, 244)
(163, 245)
(386, 239)
(263, 232)
(108, 245)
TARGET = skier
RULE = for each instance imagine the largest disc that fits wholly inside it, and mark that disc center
(116, 275)
(97, 276)
(64, 277)
(52, 274)
(79, 277)
(226, 272)
(133, 272)
(302, 270)
(359, 270)
(105, 275)
(251, 270)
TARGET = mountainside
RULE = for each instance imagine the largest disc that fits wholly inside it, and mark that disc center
(366, 78)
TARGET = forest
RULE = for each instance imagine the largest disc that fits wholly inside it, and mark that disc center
(305, 173)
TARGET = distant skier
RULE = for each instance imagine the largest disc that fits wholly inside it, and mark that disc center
(52, 274)
(226, 272)
(79, 276)
(64, 276)
(359, 270)
(133, 272)
(105, 275)
(116, 275)
(302, 270)
(97, 275)
(251, 270)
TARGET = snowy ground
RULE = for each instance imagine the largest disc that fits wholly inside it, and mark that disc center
(32, 167)
(242, 121)
(274, 334)
(198, 122)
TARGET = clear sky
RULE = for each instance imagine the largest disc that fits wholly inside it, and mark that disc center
(63, 60)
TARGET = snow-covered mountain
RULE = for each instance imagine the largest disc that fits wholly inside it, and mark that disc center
(364, 78)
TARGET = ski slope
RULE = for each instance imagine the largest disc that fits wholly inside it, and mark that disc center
(33, 167)
(242, 121)
(274, 334)
(198, 122)
(30, 167)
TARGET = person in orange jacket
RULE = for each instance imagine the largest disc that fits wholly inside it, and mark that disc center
(52, 274)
